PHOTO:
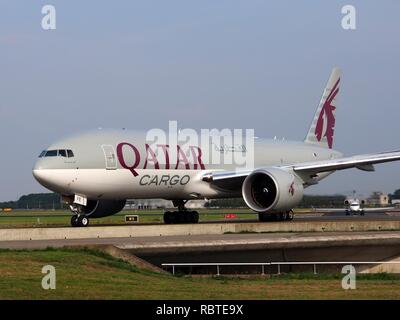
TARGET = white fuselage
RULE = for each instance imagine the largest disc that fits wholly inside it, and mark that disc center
(355, 207)
(117, 165)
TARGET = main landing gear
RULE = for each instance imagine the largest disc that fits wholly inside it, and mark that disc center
(281, 216)
(183, 215)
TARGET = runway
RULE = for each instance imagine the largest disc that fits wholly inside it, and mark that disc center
(319, 216)
(377, 215)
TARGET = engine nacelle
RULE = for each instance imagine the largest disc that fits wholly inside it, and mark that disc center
(102, 208)
(272, 189)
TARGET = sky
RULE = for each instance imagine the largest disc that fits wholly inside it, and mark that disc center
(207, 64)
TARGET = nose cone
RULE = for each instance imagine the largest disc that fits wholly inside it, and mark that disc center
(42, 174)
(47, 172)
(37, 168)
(38, 174)
(38, 165)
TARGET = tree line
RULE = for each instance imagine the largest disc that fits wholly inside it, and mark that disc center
(36, 201)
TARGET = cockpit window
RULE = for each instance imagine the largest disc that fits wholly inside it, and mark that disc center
(62, 153)
(54, 153)
(51, 153)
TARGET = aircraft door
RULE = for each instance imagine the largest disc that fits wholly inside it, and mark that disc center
(110, 158)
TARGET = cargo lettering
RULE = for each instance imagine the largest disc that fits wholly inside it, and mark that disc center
(164, 180)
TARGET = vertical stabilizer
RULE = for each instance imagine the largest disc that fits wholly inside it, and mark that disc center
(322, 128)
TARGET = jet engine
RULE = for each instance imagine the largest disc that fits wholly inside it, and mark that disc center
(102, 208)
(272, 189)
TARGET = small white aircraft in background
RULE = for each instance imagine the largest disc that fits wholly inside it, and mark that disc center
(354, 206)
(98, 171)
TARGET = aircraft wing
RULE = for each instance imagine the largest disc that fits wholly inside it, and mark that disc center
(233, 180)
(385, 209)
(362, 162)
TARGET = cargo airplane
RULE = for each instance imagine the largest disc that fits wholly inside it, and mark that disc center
(97, 171)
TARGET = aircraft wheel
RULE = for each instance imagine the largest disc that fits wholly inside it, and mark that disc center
(175, 217)
(263, 217)
(362, 213)
(167, 217)
(347, 213)
(281, 216)
(187, 216)
(171, 217)
(74, 220)
(181, 216)
(83, 221)
(289, 215)
(194, 217)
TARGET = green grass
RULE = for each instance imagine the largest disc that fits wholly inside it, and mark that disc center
(90, 274)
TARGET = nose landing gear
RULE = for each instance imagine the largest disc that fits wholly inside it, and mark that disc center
(79, 221)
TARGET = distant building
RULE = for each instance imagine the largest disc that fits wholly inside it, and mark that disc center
(396, 203)
(378, 199)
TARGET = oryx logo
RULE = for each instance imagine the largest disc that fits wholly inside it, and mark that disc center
(326, 120)
(291, 189)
